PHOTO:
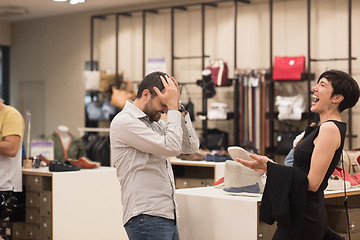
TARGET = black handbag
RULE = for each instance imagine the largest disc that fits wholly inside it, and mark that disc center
(189, 107)
(214, 139)
(284, 140)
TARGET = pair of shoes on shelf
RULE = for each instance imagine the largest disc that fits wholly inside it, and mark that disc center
(84, 162)
(57, 166)
(340, 173)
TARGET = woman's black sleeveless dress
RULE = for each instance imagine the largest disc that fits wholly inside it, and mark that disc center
(315, 218)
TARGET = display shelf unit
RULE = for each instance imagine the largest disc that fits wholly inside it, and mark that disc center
(271, 115)
(349, 59)
(62, 205)
(196, 173)
(306, 76)
(202, 57)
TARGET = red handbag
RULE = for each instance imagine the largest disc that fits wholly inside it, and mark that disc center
(288, 68)
(219, 72)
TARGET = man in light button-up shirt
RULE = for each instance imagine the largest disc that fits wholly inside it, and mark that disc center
(140, 146)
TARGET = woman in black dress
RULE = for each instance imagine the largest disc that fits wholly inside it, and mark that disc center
(294, 197)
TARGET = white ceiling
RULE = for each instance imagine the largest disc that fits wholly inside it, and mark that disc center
(45, 8)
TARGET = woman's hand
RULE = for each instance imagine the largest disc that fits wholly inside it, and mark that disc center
(259, 164)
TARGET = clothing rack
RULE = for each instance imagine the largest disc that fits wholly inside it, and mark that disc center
(252, 105)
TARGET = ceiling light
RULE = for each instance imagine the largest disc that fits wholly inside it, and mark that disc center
(72, 2)
(76, 1)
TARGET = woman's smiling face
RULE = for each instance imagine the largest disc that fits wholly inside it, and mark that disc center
(322, 96)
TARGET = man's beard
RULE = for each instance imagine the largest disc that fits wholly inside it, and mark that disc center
(151, 113)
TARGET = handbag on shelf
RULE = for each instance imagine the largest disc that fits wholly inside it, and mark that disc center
(288, 68)
(285, 141)
(214, 139)
(120, 95)
(350, 161)
(290, 107)
(219, 72)
(189, 106)
(107, 81)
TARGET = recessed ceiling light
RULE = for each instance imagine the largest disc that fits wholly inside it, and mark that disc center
(60, 0)
(76, 1)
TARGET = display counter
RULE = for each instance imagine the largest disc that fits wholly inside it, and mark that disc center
(83, 204)
(209, 213)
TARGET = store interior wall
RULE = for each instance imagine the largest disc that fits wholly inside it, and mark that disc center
(54, 50)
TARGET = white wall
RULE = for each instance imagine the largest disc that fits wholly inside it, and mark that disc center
(55, 49)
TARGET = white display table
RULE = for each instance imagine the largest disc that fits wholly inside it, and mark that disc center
(86, 204)
(209, 213)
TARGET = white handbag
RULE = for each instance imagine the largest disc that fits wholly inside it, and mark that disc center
(290, 107)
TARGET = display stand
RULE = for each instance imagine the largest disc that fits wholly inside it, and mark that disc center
(83, 204)
(209, 213)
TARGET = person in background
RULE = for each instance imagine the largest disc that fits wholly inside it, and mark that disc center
(294, 196)
(12, 128)
(140, 146)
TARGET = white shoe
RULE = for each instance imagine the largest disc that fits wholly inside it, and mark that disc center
(336, 184)
(239, 152)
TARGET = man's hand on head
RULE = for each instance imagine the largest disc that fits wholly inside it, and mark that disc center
(171, 96)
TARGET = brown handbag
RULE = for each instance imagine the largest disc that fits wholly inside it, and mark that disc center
(125, 92)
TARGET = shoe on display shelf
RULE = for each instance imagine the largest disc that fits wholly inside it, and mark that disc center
(335, 183)
(57, 166)
(44, 159)
(250, 190)
(84, 163)
(340, 173)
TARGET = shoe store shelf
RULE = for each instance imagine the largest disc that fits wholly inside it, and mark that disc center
(196, 173)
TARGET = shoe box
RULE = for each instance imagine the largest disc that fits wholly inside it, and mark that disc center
(266, 231)
(193, 182)
(38, 208)
(337, 219)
